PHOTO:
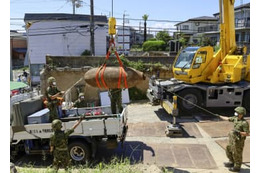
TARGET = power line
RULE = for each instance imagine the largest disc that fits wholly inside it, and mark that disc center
(152, 20)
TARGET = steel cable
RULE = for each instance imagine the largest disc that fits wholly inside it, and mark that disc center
(193, 104)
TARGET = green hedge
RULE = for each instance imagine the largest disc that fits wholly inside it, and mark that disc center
(136, 94)
(158, 45)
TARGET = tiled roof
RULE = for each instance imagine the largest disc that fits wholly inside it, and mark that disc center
(63, 16)
(202, 18)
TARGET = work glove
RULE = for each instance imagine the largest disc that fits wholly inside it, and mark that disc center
(81, 117)
(236, 132)
(217, 115)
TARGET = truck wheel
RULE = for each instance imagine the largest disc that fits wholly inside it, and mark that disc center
(189, 95)
(246, 100)
(79, 152)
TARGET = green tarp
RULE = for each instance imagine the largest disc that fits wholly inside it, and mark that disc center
(17, 85)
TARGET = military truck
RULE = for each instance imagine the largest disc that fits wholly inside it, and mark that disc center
(30, 129)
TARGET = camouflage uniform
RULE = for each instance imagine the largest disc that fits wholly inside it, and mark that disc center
(59, 140)
(234, 149)
(80, 103)
(52, 104)
(115, 99)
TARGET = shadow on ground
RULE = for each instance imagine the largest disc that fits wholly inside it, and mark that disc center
(133, 150)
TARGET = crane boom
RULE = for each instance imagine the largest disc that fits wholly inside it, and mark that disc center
(227, 27)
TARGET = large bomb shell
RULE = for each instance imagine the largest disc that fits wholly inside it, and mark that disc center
(111, 77)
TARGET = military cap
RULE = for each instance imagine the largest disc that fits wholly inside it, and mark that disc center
(51, 79)
(240, 110)
(56, 124)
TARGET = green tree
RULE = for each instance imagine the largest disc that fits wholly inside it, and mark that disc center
(158, 45)
(163, 35)
(145, 18)
(183, 40)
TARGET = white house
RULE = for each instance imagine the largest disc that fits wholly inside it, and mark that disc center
(209, 26)
(242, 24)
(123, 39)
(61, 35)
(193, 26)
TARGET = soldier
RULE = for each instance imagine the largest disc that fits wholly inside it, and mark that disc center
(115, 99)
(59, 144)
(52, 94)
(81, 102)
(237, 136)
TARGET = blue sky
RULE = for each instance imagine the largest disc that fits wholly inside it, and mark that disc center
(173, 10)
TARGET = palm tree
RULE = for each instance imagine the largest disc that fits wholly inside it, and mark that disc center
(145, 17)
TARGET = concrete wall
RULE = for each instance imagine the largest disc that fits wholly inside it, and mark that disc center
(69, 79)
(66, 77)
(81, 61)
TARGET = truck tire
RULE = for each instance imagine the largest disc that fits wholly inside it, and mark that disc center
(246, 100)
(79, 152)
(192, 95)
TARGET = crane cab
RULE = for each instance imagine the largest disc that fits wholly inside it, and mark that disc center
(191, 63)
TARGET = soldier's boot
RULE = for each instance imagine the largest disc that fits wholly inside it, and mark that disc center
(234, 169)
(228, 164)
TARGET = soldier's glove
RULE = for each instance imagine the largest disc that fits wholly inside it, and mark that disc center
(81, 117)
(236, 132)
(217, 115)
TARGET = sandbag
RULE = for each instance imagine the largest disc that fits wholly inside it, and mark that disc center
(111, 77)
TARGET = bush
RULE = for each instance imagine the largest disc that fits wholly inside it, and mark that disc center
(136, 46)
(152, 39)
(158, 45)
(86, 52)
(136, 94)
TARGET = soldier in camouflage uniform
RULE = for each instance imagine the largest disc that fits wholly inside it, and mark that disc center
(52, 93)
(81, 102)
(115, 99)
(237, 136)
(59, 145)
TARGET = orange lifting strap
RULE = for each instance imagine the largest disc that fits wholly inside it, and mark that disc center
(103, 67)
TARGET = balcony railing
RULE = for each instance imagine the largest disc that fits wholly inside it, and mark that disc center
(242, 23)
(208, 28)
(239, 23)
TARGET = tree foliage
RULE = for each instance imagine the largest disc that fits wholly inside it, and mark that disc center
(86, 52)
(163, 35)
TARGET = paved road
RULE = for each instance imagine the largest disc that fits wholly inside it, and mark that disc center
(197, 151)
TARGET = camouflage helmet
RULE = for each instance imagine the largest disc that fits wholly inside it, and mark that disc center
(56, 124)
(51, 79)
(240, 110)
(81, 94)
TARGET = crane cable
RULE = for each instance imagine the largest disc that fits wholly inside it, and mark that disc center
(102, 68)
(192, 103)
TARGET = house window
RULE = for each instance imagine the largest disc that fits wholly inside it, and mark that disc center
(185, 27)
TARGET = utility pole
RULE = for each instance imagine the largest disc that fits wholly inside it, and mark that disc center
(73, 6)
(11, 62)
(92, 43)
(76, 4)
(124, 31)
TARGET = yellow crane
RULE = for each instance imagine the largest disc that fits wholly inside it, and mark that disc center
(206, 79)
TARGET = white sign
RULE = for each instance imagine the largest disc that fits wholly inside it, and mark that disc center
(105, 100)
